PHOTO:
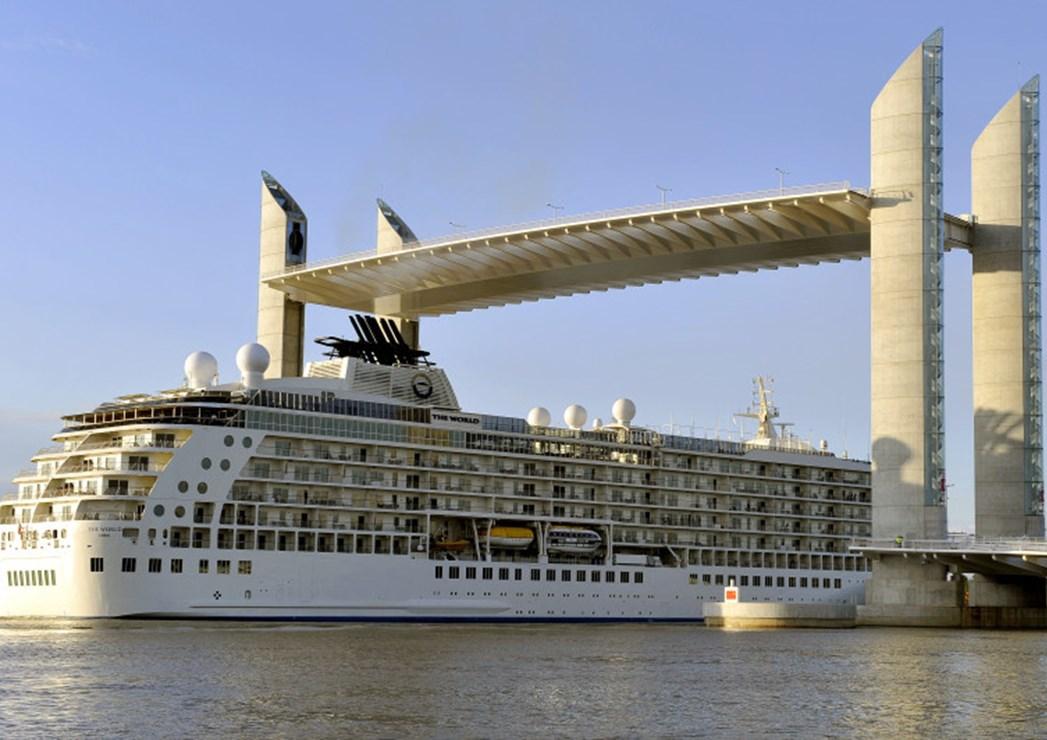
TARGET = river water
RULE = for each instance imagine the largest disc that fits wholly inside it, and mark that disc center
(167, 679)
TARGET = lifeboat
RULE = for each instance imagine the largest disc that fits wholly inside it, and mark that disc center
(513, 538)
(451, 545)
(574, 540)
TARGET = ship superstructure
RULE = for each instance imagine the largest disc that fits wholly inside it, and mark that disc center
(363, 491)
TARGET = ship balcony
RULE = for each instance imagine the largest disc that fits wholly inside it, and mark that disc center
(158, 445)
(150, 468)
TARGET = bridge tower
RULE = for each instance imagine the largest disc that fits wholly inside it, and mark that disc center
(1005, 307)
(282, 243)
(393, 235)
(906, 249)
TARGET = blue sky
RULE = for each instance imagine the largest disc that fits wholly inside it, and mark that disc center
(133, 135)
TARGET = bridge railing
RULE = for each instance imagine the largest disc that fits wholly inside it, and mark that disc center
(959, 543)
(561, 221)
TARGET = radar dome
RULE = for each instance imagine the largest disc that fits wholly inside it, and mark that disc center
(252, 360)
(574, 416)
(201, 370)
(624, 411)
(597, 424)
(539, 417)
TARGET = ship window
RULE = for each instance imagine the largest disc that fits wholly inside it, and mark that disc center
(97, 565)
(825, 583)
(792, 581)
(53, 582)
(248, 442)
(781, 582)
(719, 580)
(158, 510)
(503, 574)
(452, 572)
(518, 574)
(243, 567)
(707, 578)
(580, 576)
(610, 576)
(565, 575)
(624, 577)
(224, 465)
(183, 486)
(155, 565)
(803, 583)
(536, 574)
(229, 440)
(128, 565)
(204, 566)
(222, 567)
(488, 574)
(837, 583)
(439, 571)
(176, 565)
(595, 576)
(179, 511)
(815, 583)
(10, 581)
(206, 463)
(745, 581)
(550, 575)
(32, 575)
(470, 572)
(638, 578)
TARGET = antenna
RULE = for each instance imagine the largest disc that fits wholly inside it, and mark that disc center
(556, 209)
(781, 178)
(663, 190)
(457, 226)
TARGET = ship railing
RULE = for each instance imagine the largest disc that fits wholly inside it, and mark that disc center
(151, 467)
(112, 445)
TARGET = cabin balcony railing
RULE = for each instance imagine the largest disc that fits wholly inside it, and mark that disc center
(115, 516)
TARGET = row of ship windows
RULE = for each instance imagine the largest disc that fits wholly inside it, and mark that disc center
(768, 581)
(31, 578)
(487, 574)
(156, 565)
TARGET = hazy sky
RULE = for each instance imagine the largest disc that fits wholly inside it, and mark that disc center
(133, 135)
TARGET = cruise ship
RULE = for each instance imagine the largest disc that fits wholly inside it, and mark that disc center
(356, 487)
(362, 491)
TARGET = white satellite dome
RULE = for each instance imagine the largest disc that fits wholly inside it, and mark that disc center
(597, 424)
(539, 417)
(623, 411)
(252, 360)
(201, 370)
(574, 416)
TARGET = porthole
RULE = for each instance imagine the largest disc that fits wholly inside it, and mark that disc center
(224, 465)
(206, 463)
(201, 488)
(179, 511)
(229, 440)
(248, 442)
(183, 486)
(247, 595)
(158, 510)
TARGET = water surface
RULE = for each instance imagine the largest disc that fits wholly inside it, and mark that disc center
(168, 679)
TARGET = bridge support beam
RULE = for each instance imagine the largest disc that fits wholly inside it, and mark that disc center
(281, 321)
(1008, 436)
(906, 246)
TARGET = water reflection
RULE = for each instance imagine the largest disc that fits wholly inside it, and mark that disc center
(178, 679)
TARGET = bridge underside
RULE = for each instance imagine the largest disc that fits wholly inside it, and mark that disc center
(599, 252)
(995, 561)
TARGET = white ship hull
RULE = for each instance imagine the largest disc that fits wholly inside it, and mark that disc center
(351, 587)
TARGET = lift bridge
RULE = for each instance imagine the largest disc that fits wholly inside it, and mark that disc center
(898, 223)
